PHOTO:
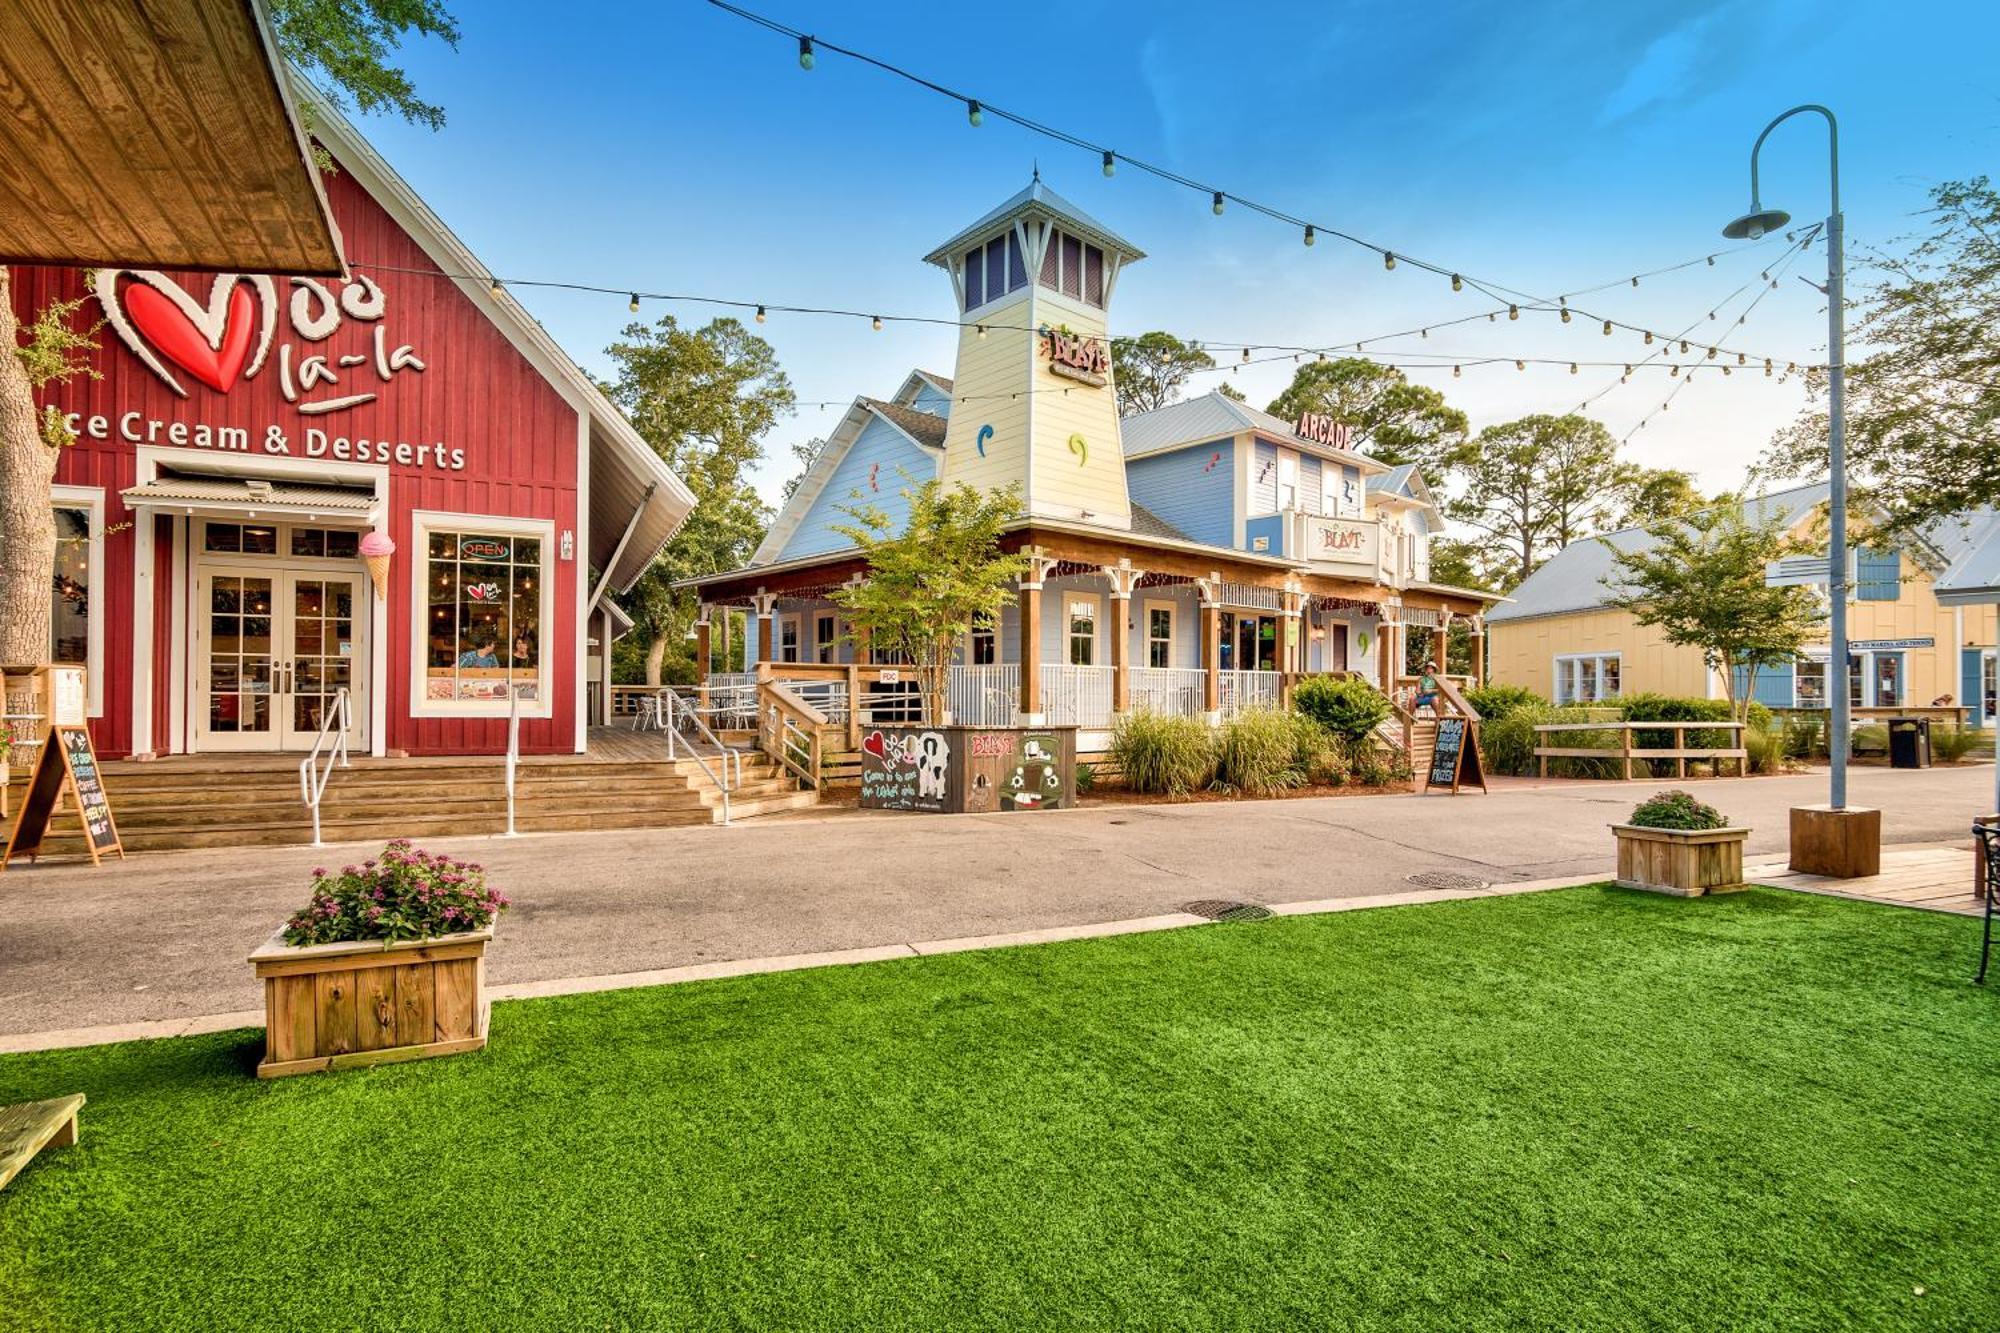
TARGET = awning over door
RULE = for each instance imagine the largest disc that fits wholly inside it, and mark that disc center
(255, 497)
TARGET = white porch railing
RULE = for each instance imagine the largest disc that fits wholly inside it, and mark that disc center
(984, 696)
(1241, 690)
(1168, 691)
(1077, 695)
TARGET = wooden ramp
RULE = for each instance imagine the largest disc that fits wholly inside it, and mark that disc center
(1936, 877)
(32, 1126)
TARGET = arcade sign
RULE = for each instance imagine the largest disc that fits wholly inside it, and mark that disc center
(1321, 428)
(1077, 356)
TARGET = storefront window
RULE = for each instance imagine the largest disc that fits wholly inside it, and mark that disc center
(1888, 680)
(69, 621)
(485, 616)
(240, 538)
(1809, 682)
(1856, 681)
(1588, 678)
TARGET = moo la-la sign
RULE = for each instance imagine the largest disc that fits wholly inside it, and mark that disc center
(1321, 428)
(1077, 356)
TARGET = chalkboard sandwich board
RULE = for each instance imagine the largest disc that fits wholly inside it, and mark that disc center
(1455, 760)
(68, 763)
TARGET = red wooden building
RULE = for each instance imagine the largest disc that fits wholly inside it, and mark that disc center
(250, 441)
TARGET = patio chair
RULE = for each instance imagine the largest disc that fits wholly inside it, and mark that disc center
(1989, 889)
(652, 714)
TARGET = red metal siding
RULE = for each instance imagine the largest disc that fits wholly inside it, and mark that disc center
(476, 394)
(163, 635)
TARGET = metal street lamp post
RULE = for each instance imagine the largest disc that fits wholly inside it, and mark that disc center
(1751, 226)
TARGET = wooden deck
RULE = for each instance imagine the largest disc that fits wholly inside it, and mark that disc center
(1934, 877)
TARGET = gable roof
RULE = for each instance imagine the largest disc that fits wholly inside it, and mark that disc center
(1971, 548)
(1212, 415)
(1149, 524)
(1573, 578)
(1037, 198)
(626, 479)
(924, 429)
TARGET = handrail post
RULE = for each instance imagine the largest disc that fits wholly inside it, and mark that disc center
(513, 753)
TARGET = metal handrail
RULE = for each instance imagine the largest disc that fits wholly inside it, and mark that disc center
(732, 762)
(312, 780)
(513, 753)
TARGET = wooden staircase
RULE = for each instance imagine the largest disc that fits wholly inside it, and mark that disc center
(1423, 741)
(255, 802)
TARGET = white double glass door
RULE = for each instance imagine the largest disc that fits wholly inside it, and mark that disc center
(273, 648)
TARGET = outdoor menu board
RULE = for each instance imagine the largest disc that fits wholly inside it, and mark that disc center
(1456, 758)
(67, 764)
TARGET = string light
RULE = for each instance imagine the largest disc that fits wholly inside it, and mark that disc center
(1457, 371)
(1217, 205)
(1767, 368)
(1725, 369)
(1513, 312)
(1309, 236)
(633, 304)
(1684, 346)
(1520, 365)
(1457, 283)
(1572, 367)
(1674, 372)
(1649, 337)
(1565, 313)
(494, 290)
(973, 115)
(760, 314)
(1740, 360)
(1110, 163)
(982, 330)
(1607, 328)
(1246, 354)
(876, 321)
(1711, 354)
(805, 53)
(1388, 261)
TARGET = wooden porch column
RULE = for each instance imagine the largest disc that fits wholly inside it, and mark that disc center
(1441, 644)
(1292, 646)
(703, 663)
(1123, 580)
(728, 622)
(1478, 627)
(604, 666)
(765, 608)
(1391, 651)
(1029, 654)
(1211, 657)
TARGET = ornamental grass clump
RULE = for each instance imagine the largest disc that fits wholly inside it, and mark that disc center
(1677, 810)
(1263, 750)
(405, 894)
(1163, 756)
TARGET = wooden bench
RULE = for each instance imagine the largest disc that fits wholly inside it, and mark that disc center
(32, 1126)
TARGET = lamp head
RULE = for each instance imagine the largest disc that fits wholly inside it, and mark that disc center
(1756, 223)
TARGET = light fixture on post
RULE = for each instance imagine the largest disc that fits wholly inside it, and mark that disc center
(1832, 840)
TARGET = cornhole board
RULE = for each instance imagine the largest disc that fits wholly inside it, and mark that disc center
(32, 1126)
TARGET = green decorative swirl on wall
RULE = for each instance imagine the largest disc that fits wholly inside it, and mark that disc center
(1081, 448)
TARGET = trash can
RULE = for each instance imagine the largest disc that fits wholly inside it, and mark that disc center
(1909, 742)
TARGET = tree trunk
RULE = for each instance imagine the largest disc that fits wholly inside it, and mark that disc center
(656, 656)
(27, 522)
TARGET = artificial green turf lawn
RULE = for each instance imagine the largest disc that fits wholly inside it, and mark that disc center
(1584, 1109)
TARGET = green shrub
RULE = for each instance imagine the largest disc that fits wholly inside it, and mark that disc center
(1951, 744)
(1804, 736)
(1766, 750)
(1328, 764)
(1872, 738)
(1494, 702)
(1163, 756)
(1508, 745)
(1758, 715)
(1347, 707)
(1377, 765)
(1677, 810)
(1667, 708)
(1258, 751)
(1086, 778)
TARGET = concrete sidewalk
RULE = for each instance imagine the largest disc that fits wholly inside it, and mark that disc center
(163, 938)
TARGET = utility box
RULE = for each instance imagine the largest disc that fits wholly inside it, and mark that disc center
(968, 770)
(1909, 742)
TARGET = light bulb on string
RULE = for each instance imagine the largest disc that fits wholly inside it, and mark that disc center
(1520, 365)
(875, 322)
(1711, 261)
(1110, 164)
(1309, 233)
(1767, 367)
(980, 329)
(1711, 314)
(760, 314)
(1635, 280)
(973, 115)
(1684, 346)
(1711, 354)
(494, 290)
(1246, 354)
(1725, 369)
(1217, 206)
(1742, 360)
(1491, 318)
(1673, 372)
(1649, 337)
(1456, 372)
(633, 304)
(805, 53)
(1457, 283)
(1423, 333)
(1607, 328)
(1513, 312)
(1565, 314)
(1791, 366)
(1388, 261)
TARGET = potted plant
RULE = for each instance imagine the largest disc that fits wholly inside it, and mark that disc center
(1676, 844)
(386, 962)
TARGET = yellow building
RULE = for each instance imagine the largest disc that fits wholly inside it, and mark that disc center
(1561, 638)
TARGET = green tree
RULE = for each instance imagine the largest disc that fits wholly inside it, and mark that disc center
(1390, 418)
(1461, 564)
(704, 399)
(344, 47)
(932, 578)
(1530, 487)
(1701, 582)
(343, 42)
(1922, 406)
(1230, 391)
(1149, 370)
(1647, 494)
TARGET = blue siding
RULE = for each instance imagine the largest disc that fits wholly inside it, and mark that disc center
(1969, 686)
(1774, 685)
(1265, 525)
(1194, 489)
(1264, 479)
(928, 399)
(1878, 576)
(870, 467)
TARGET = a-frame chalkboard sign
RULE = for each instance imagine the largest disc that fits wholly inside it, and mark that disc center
(1455, 760)
(68, 763)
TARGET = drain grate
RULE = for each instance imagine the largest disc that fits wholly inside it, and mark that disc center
(1444, 879)
(1221, 909)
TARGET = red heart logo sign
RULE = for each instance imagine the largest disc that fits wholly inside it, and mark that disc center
(874, 744)
(167, 327)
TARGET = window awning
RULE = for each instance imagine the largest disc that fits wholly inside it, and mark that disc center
(255, 497)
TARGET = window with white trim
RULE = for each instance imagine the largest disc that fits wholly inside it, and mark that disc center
(76, 611)
(788, 639)
(1159, 634)
(485, 608)
(826, 636)
(984, 646)
(1588, 678)
(1082, 627)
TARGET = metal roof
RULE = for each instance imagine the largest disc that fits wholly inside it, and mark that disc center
(1573, 578)
(1038, 198)
(248, 493)
(1971, 548)
(1213, 415)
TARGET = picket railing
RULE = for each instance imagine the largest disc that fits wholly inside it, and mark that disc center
(984, 696)
(1077, 695)
(1168, 691)
(1242, 690)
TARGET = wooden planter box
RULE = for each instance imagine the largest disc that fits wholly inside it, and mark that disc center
(1687, 862)
(339, 1006)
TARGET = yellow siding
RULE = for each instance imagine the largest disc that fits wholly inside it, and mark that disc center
(990, 371)
(1523, 653)
(1068, 482)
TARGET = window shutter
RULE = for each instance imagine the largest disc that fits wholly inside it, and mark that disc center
(1017, 267)
(1774, 686)
(1093, 275)
(1878, 576)
(1969, 687)
(1049, 249)
(975, 278)
(1072, 268)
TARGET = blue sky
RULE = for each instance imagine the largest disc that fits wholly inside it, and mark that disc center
(1551, 147)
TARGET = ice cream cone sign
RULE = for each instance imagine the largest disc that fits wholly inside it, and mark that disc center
(376, 548)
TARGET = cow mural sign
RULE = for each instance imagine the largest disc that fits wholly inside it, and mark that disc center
(968, 770)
